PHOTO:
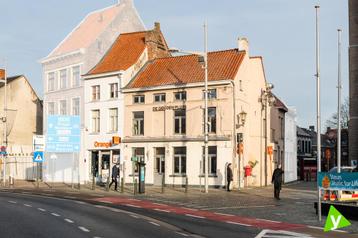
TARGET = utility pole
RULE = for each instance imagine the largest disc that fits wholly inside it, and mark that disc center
(4, 120)
(318, 102)
(206, 131)
(339, 101)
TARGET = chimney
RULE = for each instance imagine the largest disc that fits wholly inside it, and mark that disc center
(243, 44)
(157, 26)
(311, 128)
(126, 2)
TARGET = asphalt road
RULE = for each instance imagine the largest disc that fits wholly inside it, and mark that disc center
(25, 215)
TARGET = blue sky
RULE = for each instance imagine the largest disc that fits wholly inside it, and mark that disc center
(282, 31)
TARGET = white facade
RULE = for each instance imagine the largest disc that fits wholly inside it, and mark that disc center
(62, 95)
(290, 146)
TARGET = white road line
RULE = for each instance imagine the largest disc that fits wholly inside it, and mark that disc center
(41, 209)
(130, 205)
(12, 202)
(190, 215)
(223, 214)
(315, 227)
(99, 206)
(182, 234)
(191, 209)
(134, 216)
(161, 210)
(68, 220)
(84, 229)
(237, 223)
(55, 214)
(259, 219)
(27, 205)
(153, 223)
(159, 204)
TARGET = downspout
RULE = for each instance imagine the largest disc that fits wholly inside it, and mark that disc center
(234, 132)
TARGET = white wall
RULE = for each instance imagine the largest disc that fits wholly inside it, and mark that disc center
(290, 146)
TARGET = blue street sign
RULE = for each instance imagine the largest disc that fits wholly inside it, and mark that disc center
(63, 134)
(38, 156)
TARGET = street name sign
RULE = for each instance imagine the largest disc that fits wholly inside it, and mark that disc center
(38, 143)
(63, 134)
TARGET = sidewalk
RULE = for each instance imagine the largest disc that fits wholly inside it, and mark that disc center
(295, 207)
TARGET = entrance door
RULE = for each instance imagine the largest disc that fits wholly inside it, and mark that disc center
(105, 166)
(159, 166)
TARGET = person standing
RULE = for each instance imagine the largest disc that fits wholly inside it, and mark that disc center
(115, 176)
(277, 181)
(229, 176)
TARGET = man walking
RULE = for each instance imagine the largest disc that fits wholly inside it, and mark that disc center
(229, 176)
(277, 181)
(115, 175)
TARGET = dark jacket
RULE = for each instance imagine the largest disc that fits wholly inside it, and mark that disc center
(277, 177)
(115, 171)
(229, 174)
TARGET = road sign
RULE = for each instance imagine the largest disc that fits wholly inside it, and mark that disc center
(38, 143)
(63, 134)
(38, 157)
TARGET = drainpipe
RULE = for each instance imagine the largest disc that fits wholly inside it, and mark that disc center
(234, 131)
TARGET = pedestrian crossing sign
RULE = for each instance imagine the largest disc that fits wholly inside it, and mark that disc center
(38, 157)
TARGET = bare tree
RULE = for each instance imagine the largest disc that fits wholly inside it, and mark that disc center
(332, 121)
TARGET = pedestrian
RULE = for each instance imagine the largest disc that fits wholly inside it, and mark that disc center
(277, 181)
(115, 176)
(229, 176)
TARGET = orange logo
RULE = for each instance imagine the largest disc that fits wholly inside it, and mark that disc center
(102, 144)
(326, 182)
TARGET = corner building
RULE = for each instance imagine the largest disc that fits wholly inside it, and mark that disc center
(163, 119)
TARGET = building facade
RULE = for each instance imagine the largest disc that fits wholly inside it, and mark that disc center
(163, 113)
(290, 164)
(62, 70)
(104, 100)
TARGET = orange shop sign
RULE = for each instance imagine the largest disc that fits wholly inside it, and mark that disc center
(116, 140)
(269, 150)
(102, 144)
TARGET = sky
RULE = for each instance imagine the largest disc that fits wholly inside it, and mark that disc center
(281, 31)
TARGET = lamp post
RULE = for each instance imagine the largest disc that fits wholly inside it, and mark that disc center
(203, 58)
(339, 101)
(266, 100)
(4, 120)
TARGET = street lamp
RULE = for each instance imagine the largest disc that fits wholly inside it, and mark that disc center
(203, 59)
(4, 119)
(266, 99)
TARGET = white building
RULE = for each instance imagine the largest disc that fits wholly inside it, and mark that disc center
(290, 165)
(62, 70)
(104, 105)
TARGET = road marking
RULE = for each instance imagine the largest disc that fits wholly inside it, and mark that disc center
(190, 215)
(99, 206)
(80, 202)
(134, 216)
(130, 205)
(159, 204)
(83, 229)
(153, 223)
(316, 227)
(68, 220)
(259, 219)
(183, 234)
(12, 202)
(27, 205)
(41, 209)
(191, 209)
(55, 214)
(237, 223)
(161, 210)
(223, 214)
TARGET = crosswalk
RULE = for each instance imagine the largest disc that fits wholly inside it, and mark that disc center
(281, 234)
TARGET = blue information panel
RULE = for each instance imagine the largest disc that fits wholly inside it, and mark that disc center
(338, 181)
(63, 134)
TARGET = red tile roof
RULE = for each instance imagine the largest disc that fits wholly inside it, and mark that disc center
(280, 105)
(124, 52)
(186, 69)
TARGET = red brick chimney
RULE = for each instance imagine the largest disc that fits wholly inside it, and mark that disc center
(157, 47)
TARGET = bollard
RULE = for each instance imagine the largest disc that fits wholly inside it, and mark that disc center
(135, 187)
(93, 183)
(163, 183)
(122, 185)
(11, 181)
(107, 184)
(186, 184)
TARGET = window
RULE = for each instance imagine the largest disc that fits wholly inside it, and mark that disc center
(113, 90)
(95, 121)
(180, 121)
(113, 119)
(63, 107)
(211, 93)
(180, 96)
(160, 97)
(75, 106)
(273, 137)
(180, 160)
(76, 76)
(138, 99)
(212, 119)
(139, 153)
(51, 108)
(51, 81)
(212, 160)
(138, 123)
(63, 78)
(160, 160)
(96, 93)
(282, 127)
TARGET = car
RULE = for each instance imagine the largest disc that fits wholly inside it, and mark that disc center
(344, 169)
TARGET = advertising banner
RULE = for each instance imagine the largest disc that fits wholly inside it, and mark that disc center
(338, 181)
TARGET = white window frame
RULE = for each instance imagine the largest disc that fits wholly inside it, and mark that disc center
(95, 121)
(73, 108)
(180, 157)
(73, 76)
(141, 99)
(54, 108)
(138, 123)
(162, 97)
(115, 92)
(95, 92)
(63, 84)
(113, 120)
(53, 84)
(60, 107)
(181, 98)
